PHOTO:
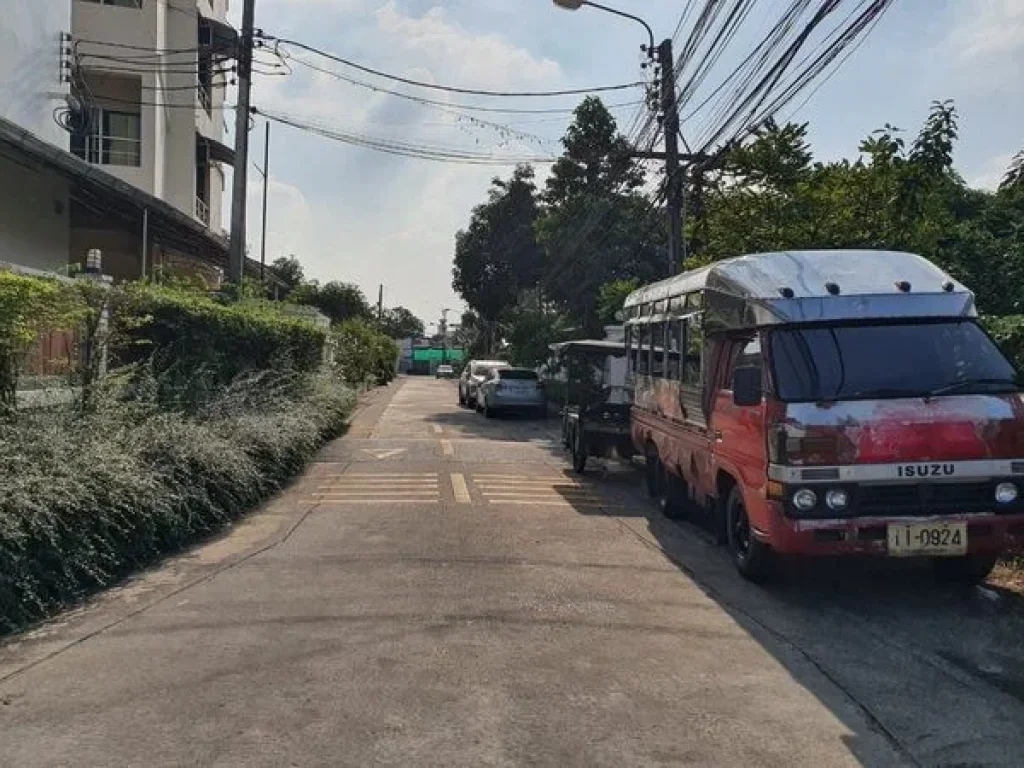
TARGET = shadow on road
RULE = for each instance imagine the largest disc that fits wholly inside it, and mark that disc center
(936, 671)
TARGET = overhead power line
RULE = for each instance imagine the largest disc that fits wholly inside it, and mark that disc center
(450, 88)
(404, 149)
(433, 102)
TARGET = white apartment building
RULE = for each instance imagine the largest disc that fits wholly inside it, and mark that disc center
(112, 124)
(153, 75)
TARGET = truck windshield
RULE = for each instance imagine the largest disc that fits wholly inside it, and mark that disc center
(894, 360)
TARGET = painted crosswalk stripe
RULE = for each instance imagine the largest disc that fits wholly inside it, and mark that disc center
(460, 489)
(446, 448)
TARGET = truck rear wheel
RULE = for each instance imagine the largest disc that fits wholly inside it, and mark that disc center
(672, 497)
(968, 571)
(752, 557)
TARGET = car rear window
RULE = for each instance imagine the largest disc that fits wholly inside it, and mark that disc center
(514, 374)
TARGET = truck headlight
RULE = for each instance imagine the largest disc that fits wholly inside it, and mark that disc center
(837, 499)
(1006, 493)
(805, 500)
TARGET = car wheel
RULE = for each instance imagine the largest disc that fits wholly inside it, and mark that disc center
(967, 571)
(752, 557)
(462, 397)
(488, 411)
(579, 453)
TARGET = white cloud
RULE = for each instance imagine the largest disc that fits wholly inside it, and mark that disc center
(992, 172)
(440, 46)
(352, 214)
(984, 29)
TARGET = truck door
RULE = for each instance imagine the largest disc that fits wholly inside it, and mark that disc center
(738, 431)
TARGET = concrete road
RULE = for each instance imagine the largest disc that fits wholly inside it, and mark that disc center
(438, 590)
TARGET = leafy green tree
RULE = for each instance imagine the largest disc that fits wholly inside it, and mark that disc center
(400, 323)
(497, 255)
(339, 301)
(596, 226)
(612, 296)
(289, 270)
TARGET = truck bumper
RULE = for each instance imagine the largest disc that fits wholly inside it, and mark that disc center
(868, 535)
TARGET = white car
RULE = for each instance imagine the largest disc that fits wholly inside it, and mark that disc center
(473, 376)
(444, 372)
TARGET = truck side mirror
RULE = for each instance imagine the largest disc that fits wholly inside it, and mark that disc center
(746, 386)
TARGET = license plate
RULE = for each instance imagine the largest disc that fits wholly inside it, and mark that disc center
(941, 539)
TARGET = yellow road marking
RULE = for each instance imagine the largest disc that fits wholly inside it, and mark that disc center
(383, 475)
(459, 488)
(446, 448)
(566, 503)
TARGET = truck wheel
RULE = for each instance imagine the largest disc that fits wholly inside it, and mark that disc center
(752, 558)
(672, 498)
(579, 454)
(967, 571)
(652, 467)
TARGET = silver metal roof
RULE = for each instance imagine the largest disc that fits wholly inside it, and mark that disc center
(794, 286)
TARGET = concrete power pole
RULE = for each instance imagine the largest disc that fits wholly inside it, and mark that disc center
(236, 251)
(380, 304)
(674, 199)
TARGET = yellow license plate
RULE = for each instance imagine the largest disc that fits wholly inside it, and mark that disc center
(932, 539)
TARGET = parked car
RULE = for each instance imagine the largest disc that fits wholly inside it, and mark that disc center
(511, 390)
(473, 376)
(445, 371)
(829, 403)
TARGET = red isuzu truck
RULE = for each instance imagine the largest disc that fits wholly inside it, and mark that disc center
(829, 403)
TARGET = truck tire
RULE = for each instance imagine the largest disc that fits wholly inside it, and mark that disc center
(652, 472)
(752, 557)
(672, 497)
(966, 571)
(579, 453)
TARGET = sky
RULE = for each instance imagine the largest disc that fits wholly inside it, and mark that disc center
(352, 214)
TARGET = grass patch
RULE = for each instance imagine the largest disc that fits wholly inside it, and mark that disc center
(87, 498)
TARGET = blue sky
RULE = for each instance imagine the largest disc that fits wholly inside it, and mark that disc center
(352, 214)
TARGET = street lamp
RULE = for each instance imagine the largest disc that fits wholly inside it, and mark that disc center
(575, 5)
(666, 62)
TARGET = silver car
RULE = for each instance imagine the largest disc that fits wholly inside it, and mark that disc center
(512, 389)
(473, 376)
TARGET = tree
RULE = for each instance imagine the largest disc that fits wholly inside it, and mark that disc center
(596, 226)
(289, 270)
(400, 323)
(339, 301)
(611, 297)
(497, 256)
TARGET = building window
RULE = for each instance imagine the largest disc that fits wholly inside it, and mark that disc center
(137, 4)
(111, 137)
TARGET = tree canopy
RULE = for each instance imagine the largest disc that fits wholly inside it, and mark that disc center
(595, 235)
(400, 323)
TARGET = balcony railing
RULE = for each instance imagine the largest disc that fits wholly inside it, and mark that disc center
(202, 211)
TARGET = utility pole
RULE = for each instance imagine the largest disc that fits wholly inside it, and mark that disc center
(236, 252)
(266, 174)
(380, 304)
(670, 123)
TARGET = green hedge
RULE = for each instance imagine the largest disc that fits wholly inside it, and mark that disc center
(363, 355)
(30, 306)
(86, 499)
(195, 343)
